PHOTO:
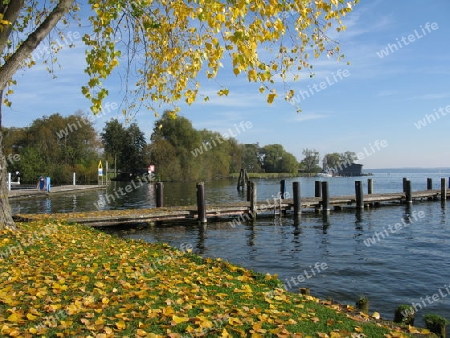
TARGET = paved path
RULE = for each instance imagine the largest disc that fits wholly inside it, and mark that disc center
(25, 193)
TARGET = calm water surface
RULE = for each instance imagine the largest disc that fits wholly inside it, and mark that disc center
(405, 267)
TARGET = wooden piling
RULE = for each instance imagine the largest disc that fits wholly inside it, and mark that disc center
(159, 194)
(359, 195)
(201, 207)
(305, 291)
(325, 197)
(429, 183)
(408, 192)
(253, 200)
(241, 179)
(362, 304)
(318, 189)
(370, 186)
(436, 324)
(443, 189)
(297, 199)
(404, 314)
(282, 189)
(249, 191)
(404, 183)
(430, 186)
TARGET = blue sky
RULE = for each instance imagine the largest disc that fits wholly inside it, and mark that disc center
(377, 97)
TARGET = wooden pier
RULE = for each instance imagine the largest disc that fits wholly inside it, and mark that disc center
(240, 212)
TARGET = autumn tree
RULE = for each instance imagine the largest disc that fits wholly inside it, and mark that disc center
(277, 160)
(166, 44)
(54, 146)
(331, 160)
(310, 161)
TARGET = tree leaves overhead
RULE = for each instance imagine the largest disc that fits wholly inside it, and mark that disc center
(164, 45)
(173, 41)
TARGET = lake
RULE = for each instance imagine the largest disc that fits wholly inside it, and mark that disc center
(339, 256)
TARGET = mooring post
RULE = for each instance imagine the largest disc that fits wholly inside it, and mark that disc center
(325, 197)
(429, 183)
(159, 194)
(443, 190)
(282, 189)
(318, 189)
(241, 179)
(249, 191)
(359, 195)
(408, 192)
(430, 187)
(404, 183)
(370, 186)
(297, 199)
(253, 207)
(201, 207)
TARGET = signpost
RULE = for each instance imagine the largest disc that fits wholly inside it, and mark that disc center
(100, 173)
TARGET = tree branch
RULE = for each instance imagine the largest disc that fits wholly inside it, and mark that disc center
(33, 40)
(10, 13)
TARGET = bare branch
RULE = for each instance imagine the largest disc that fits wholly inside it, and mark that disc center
(29, 45)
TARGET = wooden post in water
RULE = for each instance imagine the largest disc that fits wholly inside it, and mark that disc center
(404, 184)
(370, 186)
(325, 197)
(297, 199)
(242, 180)
(359, 195)
(430, 186)
(201, 207)
(249, 191)
(253, 199)
(282, 189)
(443, 190)
(408, 192)
(318, 189)
(159, 194)
(429, 183)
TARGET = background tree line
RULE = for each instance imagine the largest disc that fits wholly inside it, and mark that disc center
(57, 146)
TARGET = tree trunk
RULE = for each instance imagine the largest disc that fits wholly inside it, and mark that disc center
(6, 220)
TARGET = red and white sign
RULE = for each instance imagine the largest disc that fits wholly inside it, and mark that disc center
(151, 168)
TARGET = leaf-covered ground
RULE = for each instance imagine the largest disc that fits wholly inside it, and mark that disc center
(61, 280)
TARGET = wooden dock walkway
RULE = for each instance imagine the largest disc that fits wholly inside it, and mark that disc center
(235, 213)
(33, 192)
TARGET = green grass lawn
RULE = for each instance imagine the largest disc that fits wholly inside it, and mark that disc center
(63, 280)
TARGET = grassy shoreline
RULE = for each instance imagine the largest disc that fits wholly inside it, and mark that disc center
(67, 280)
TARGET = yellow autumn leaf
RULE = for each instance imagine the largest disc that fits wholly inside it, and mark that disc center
(179, 320)
(376, 315)
(31, 316)
(14, 317)
(121, 325)
(271, 97)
